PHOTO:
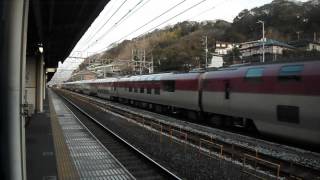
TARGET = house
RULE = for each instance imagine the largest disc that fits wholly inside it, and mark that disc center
(216, 61)
(115, 68)
(222, 48)
(83, 75)
(306, 45)
(252, 51)
(107, 70)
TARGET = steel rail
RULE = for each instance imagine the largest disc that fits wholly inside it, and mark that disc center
(234, 151)
(162, 168)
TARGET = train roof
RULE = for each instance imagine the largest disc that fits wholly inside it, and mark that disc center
(163, 76)
(310, 67)
(231, 71)
(109, 79)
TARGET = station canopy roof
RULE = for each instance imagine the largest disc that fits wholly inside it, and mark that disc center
(58, 25)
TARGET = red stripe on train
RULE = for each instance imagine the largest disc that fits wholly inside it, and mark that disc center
(271, 85)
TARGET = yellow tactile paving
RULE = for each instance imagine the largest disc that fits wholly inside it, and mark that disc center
(65, 166)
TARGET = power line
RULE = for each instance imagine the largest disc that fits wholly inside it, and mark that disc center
(137, 9)
(182, 12)
(207, 10)
(107, 20)
(108, 12)
(125, 17)
(118, 22)
(150, 21)
(168, 10)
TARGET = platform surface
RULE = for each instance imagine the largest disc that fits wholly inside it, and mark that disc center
(90, 159)
(40, 155)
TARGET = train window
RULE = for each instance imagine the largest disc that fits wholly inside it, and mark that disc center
(157, 91)
(291, 72)
(142, 90)
(149, 90)
(288, 113)
(135, 90)
(254, 74)
(130, 89)
(168, 85)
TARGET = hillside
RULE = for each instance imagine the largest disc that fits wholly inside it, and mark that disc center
(283, 19)
(181, 47)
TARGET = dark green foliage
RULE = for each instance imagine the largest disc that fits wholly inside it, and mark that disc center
(232, 56)
(283, 19)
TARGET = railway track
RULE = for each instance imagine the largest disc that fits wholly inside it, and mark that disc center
(253, 161)
(136, 162)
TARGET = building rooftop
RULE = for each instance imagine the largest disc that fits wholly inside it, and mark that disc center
(302, 42)
(268, 42)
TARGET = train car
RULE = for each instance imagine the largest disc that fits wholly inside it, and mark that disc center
(174, 91)
(181, 91)
(87, 87)
(281, 99)
(72, 86)
(140, 89)
(93, 87)
(137, 89)
(106, 88)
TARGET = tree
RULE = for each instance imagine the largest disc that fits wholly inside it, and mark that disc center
(232, 57)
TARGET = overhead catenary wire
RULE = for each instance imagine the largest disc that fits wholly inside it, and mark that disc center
(124, 17)
(112, 4)
(169, 19)
(170, 9)
(153, 19)
(101, 27)
(134, 11)
(208, 10)
(182, 12)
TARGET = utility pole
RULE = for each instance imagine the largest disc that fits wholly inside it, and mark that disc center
(298, 34)
(205, 50)
(144, 59)
(151, 68)
(263, 38)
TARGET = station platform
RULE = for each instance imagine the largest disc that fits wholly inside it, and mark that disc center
(60, 147)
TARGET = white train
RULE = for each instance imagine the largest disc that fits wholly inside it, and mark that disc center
(281, 99)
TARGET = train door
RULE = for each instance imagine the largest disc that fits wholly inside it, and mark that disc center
(227, 89)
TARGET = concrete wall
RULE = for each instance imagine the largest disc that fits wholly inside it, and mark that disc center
(34, 83)
(31, 82)
(39, 82)
(13, 33)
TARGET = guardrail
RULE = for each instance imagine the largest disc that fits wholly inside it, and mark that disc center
(258, 164)
(213, 150)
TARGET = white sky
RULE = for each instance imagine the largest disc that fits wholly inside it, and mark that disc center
(104, 31)
(101, 34)
(109, 33)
